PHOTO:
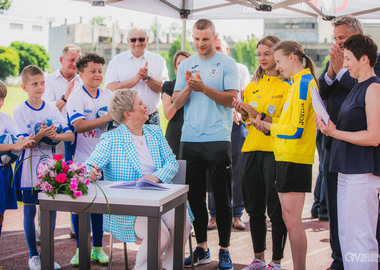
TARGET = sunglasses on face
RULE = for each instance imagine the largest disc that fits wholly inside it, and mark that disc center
(133, 40)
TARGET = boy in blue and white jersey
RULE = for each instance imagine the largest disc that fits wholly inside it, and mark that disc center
(26, 116)
(84, 108)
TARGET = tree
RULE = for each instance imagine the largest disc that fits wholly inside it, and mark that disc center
(9, 62)
(244, 53)
(155, 28)
(31, 54)
(324, 63)
(174, 30)
(5, 4)
(100, 20)
(174, 47)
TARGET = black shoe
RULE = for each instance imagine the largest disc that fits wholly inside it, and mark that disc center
(314, 213)
(323, 217)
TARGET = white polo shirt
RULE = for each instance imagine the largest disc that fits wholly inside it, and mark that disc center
(125, 66)
(55, 87)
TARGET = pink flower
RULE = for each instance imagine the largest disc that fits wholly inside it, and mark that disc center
(52, 174)
(57, 157)
(51, 162)
(40, 175)
(73, 186)
(66, 168)
(45, 186)
(87, 181)
(77, 193)
(43, 168)
(69, 162)
(61, 178)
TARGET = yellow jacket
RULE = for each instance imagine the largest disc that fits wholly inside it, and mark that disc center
(295, 131)
(268, 95)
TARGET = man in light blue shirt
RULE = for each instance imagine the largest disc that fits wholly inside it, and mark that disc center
(206, 84)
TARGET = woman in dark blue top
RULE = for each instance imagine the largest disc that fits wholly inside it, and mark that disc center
(171, 112)
(355, 156)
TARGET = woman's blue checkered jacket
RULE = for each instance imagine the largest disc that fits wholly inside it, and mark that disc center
(116, 156)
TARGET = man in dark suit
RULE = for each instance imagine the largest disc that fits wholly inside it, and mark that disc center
(334, 85)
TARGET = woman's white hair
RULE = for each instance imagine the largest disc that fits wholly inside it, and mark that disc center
(121, 101)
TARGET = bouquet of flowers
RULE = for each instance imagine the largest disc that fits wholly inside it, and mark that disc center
(59, 176)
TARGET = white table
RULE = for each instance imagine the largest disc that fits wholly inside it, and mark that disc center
(150, 203)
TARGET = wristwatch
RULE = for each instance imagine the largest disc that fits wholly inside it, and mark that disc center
(63, 99)
(147, 79)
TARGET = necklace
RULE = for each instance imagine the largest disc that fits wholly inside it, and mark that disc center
(139, 139)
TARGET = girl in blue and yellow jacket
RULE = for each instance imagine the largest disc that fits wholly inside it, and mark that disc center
(294, 145)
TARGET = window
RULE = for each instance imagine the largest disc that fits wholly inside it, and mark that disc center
(16, 26)
(37, 28)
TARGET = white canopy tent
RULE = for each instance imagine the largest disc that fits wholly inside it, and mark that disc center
(249, 9)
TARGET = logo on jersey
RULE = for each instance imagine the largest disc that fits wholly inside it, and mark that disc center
(271, 109)
(88, 111)
(213, 72)
(286, 105)
(194, 66)
(254, 92)
(254, 104)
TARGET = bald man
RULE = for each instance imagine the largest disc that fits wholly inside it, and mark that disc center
(139, 69)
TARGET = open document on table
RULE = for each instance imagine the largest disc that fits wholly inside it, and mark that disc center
(318, 105)
(141, 184)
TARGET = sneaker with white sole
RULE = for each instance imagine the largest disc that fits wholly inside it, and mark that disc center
(200, 257)
(35, 263)
(225, 262)
(256, 264)
(274, 266)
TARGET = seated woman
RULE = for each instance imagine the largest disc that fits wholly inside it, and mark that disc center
(129, 153)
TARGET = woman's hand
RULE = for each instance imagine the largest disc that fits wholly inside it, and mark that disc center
(238, 106)
(150, 177)
(95, 173)
(329, 130)
(259, 124)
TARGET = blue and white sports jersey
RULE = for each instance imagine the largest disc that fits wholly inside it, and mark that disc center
(7, 125)
(25, 118)
(81, 105)
(204, 119)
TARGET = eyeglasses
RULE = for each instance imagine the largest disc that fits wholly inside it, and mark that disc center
(133, 40)
(265, 55)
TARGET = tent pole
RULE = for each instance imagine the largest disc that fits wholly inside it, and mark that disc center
(183, 38)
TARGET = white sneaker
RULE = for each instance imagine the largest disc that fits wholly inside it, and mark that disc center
(256, 265)
(274, 266)
(34, 263)
(56, 266)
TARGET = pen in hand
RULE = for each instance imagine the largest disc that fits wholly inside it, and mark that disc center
(96, 175)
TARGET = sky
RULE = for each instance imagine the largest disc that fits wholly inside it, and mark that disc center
(58, 10)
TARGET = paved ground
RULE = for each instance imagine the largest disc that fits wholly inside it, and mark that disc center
(14, 252)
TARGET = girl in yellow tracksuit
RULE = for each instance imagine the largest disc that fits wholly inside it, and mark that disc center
(265, 95)
(294, 145)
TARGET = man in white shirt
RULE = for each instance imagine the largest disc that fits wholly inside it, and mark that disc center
(139, 69)
(60, 83)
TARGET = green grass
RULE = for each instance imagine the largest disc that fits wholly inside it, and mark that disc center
(16, 96)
